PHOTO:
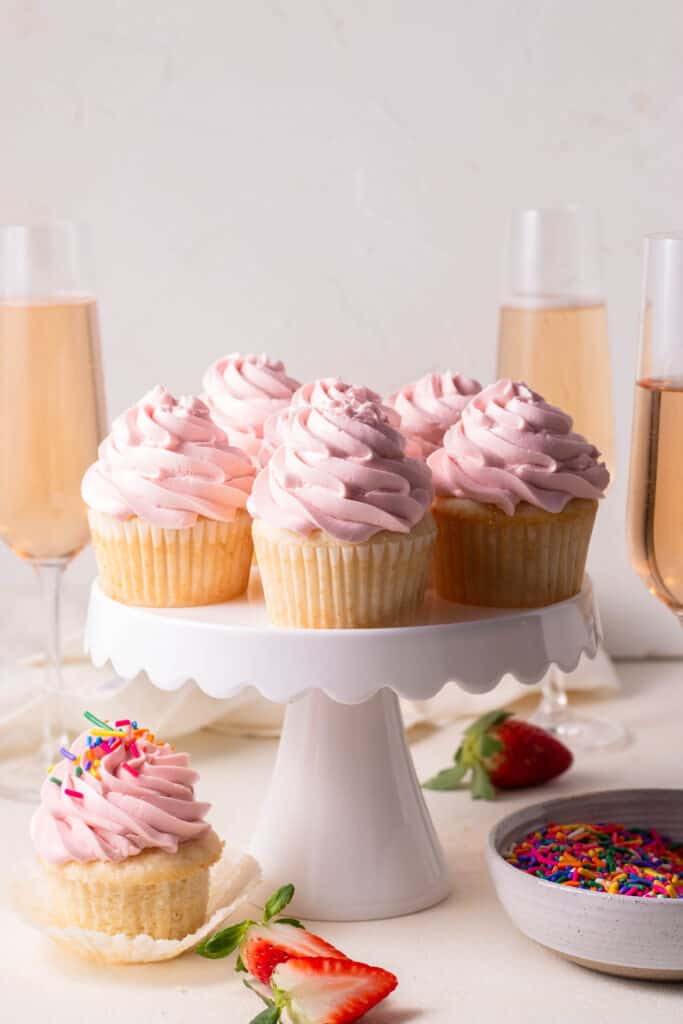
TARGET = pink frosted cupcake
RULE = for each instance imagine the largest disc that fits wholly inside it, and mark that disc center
(429, 407)
(122, 837)
(342, 529)
(167, 506)
(517, 493)
(245, 394)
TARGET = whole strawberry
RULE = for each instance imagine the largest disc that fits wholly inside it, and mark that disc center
(503, 752)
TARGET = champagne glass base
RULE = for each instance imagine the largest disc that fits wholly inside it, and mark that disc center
(581, 731)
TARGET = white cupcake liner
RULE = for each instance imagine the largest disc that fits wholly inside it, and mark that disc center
(232, 880)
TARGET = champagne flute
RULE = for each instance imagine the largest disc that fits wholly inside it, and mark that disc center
(553, 335)
(656, 482)
(52, 417)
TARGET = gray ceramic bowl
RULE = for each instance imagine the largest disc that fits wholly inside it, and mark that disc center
(623, 935)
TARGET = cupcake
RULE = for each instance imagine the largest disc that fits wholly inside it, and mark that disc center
(517, 494)
(245, 393)
(166, 504)
(121, 837)
(429, 407)
(342, 529)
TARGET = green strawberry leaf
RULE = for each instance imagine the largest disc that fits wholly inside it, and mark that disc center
(488, 721)
(488, 745)
(225, 942)
(270, 1015)
(290, 920)
(448, 778)
(482, 788)
(277, 902)
(239, 965)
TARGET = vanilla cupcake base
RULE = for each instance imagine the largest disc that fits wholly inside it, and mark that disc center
(162, 895)
(318, 582)
(530, 559)
(156, 567)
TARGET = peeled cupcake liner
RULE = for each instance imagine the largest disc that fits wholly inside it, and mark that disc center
(232, 880)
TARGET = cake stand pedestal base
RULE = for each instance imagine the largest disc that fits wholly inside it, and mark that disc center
(345, 820)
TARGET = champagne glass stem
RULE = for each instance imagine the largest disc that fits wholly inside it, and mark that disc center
(581, 731)
(553, 695)
(50, 579)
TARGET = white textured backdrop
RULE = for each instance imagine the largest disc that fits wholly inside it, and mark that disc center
(330, 181)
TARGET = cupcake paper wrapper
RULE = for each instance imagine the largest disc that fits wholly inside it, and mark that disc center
(232, 880)
(318, 582)
(146, 565)
(528, 560)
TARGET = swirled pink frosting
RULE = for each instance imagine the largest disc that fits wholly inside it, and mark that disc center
(511, 446)
(245, 391)
(430, 406)
(323, 392)
(341, 468)
(121, 813)
(168, 462)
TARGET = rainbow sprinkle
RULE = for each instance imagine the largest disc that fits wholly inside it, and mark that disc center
(604, 858)
(103, 739)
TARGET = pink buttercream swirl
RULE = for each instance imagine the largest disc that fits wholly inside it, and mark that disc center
(430, 406)
(341, 468)
(243, 393)
(168, 462)
(326, 391)
(121, 813)
(511, 446)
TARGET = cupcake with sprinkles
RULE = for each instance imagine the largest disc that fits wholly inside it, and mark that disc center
(121, 836)
(166, 502)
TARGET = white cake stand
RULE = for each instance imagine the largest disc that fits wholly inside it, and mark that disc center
(345, 819)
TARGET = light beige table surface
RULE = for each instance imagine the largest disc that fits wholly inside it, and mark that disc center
(461, 961)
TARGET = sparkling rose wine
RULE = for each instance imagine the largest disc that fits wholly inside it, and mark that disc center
(562, 351)
(52, 418)
(656, 488)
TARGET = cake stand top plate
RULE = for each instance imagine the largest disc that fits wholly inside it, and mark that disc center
(227, 647)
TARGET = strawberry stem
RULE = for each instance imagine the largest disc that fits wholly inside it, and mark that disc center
(478, 745)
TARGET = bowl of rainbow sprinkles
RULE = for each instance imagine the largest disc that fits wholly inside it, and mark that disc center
(598, 879)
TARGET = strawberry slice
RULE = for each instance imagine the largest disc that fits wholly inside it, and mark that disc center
(262, 945)
(322, 990)
(267, 945)
(503, 752)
